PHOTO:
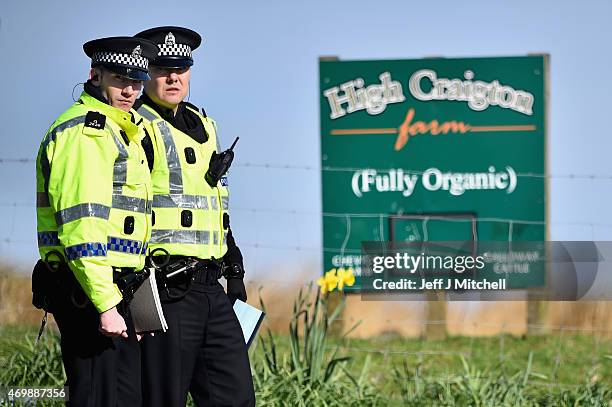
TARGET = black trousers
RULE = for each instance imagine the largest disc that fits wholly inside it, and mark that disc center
(101, 371)
(203, 352)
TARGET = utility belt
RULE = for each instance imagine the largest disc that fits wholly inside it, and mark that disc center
(181, 269)
(176, 274)
(175, 270)
(54, 285)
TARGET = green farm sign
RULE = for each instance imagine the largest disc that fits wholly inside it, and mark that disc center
(432, 150)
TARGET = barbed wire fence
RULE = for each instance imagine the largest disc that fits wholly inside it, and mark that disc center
(385, 345)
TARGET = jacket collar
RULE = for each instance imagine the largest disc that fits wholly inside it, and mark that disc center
(185, 120)
(125, 120)
(164, 113)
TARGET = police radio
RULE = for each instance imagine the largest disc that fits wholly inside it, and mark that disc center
(219, 164)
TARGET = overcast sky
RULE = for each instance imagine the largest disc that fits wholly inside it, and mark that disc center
(256, 74)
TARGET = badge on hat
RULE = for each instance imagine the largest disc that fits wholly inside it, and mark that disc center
(126, 56)
(175, 45)
(137, 53)
(170, 41)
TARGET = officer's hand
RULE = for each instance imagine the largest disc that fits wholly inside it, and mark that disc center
(235, 270)
(112, 324)
(236, 290)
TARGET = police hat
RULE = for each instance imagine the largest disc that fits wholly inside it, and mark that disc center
(175, 45)
(125, 56)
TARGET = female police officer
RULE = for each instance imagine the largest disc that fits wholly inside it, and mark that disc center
(203, 351)
(93, 215)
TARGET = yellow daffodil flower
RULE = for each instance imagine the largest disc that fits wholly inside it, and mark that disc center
(346, 277)
(328, 282)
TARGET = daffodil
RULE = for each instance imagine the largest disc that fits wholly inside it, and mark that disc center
(346, 277)
(328, 282)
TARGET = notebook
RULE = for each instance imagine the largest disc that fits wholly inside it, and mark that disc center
(250, 319)
(146, 309)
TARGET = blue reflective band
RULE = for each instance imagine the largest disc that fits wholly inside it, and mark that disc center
(126, 245)
(93, 248)
(85, 250)
(48, 239)
(223, 181)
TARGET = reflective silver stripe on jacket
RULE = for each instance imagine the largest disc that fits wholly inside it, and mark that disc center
(225, 203)
(45, 167)
(51, 135)
(120, 166)
(131, 203)
(180, 201)
(146, 113)
(83, 210)
(169, 236)
(172, 158)
(216, 238)
(214, 123)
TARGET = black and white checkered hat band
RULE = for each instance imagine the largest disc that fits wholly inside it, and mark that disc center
(120, 59)
(174, 50)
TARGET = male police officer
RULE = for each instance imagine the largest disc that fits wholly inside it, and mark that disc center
(203, 351)
(93, 213)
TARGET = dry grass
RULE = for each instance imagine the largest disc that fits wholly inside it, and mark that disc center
(408, 318)
(588, 316)
(16, 299)
(397, 318)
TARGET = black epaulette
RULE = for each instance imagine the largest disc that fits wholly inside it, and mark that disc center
(147, 146)
(194, 107)
(95, 120)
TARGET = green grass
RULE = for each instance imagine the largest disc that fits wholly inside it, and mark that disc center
(311, 367)
(556, 364)
(549, 370)
(25, 363)
(562, 360)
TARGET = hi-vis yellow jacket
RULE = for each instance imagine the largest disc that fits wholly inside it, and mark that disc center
(187, 212)
(94, 195)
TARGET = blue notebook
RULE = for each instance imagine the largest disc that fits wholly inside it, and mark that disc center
(250, 319)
